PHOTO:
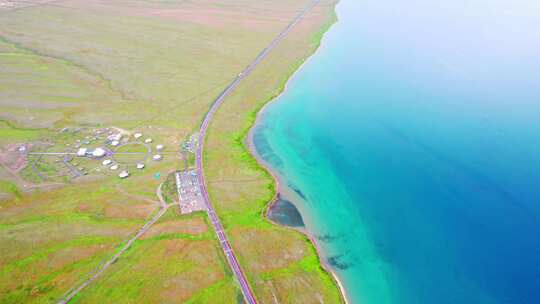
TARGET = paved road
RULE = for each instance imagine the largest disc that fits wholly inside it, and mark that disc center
(225, 245)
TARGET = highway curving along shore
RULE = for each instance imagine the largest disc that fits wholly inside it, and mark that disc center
(224, 242)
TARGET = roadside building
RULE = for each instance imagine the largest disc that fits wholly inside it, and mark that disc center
(107, 162)
(140, 166)
(157, 157)
(123, 174)
(114, 167)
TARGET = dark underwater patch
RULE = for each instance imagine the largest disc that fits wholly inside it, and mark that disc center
(285, 213)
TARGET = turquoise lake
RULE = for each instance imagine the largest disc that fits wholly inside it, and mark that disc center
(410, 145)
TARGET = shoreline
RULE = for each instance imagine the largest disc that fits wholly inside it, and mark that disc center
(276, 180)
(301, 230)
(312, 240)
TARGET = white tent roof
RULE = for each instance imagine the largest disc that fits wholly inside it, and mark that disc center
(82, 152)
(99, 152)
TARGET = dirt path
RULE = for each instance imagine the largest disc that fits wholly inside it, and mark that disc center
(163, 208)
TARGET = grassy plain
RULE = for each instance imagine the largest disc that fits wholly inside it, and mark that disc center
(175, 262)
(155, 67)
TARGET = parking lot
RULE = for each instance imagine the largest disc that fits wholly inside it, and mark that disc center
(189, 192)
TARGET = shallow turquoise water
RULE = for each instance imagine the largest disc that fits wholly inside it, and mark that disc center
(410, 143)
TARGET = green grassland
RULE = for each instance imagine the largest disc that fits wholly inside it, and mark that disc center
(155, 67)
(168, 189)
(10, 188)
(50, 240)
(281, 263)
(130, 57)
(10, 132)
(177, 261)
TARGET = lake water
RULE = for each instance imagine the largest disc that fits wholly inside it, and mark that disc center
(410, 144)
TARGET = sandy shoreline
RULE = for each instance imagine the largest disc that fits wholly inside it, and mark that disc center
(264, 165)
(302, 230)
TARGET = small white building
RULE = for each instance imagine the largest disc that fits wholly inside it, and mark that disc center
(140, 166)
(115, 143)
(157, 157)
(99, 152)
(148, 140)
(106, 162)
(137, 135)
(82, 152)
(114, 167)
(123, 174)
(159, 147)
